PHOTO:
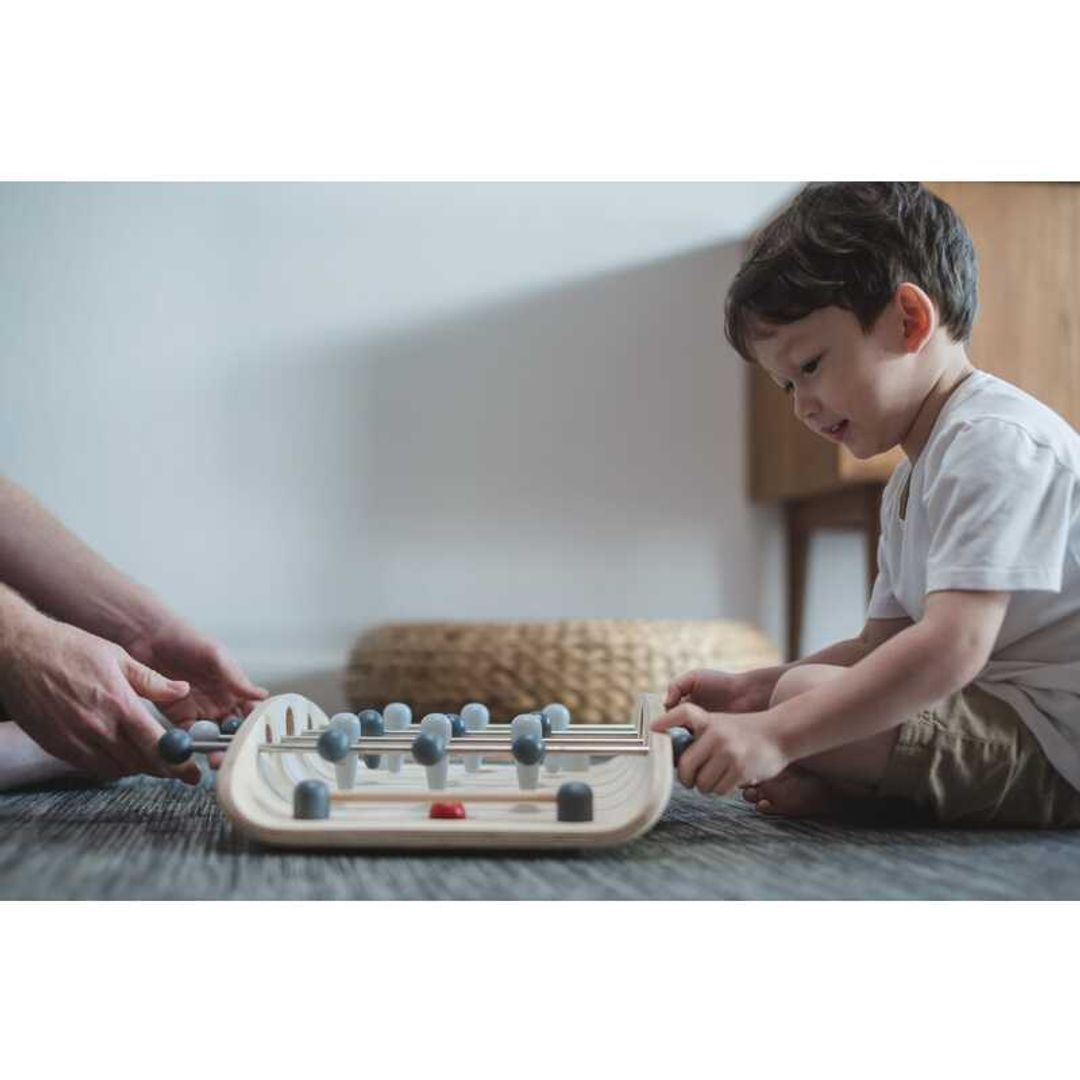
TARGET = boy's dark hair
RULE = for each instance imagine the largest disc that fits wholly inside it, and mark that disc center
(850, 246)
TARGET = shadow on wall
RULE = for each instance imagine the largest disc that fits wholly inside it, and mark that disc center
(574, 452)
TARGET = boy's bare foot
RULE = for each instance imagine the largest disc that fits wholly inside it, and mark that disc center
(796, 793)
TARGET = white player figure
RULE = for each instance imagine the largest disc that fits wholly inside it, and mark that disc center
(204, 731)
(558, 716)
(346, 769)
(527, 742)
(438, 724)
(397, 717)
(476, 718)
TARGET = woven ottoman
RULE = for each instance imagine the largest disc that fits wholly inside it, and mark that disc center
(596, 667)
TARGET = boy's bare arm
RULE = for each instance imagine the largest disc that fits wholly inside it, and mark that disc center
(934, 657)
(751, 691)
(850, 652)
(50, 566)
(921, 664)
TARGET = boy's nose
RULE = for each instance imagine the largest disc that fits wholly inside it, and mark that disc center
(805, 407)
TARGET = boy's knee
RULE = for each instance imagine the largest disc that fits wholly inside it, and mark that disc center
(798, 680)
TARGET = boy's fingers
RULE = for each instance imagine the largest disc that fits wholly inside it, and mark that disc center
(682, 687)
(694, 759)
(689, 764)
(674, 694)
(666, 720)
(709, 775)
(728, 782)
(685, 715)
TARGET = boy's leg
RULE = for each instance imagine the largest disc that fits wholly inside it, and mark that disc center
(828, 782)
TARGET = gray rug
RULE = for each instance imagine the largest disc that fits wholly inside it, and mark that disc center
(159, 840)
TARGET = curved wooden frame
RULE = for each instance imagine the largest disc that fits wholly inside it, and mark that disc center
(254, 789)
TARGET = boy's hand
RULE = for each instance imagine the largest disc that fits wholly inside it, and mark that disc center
(719, 691)
(729, 751)
(77, 696)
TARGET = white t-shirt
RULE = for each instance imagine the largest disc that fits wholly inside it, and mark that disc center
(994, 503)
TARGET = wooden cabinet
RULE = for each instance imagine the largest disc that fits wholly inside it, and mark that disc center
(1027, 239)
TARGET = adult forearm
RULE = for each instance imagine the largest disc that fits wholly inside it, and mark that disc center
(17, 618)
(902, 675)
(56, 571)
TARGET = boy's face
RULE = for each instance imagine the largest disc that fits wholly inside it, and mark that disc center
(846, 385)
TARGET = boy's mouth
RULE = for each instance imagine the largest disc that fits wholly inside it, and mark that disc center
(836, 431)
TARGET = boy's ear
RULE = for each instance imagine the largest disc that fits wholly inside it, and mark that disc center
(918, 318)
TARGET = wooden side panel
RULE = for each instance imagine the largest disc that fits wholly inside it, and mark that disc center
(1027, 237)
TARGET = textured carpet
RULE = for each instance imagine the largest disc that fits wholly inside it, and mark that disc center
(157, 840)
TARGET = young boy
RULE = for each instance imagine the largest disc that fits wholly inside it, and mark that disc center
(961, 697)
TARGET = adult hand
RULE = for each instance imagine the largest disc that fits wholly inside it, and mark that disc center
(720, 691)
(219, 688)
(77, 696)
(729, 751)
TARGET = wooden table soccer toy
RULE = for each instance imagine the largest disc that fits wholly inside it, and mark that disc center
(295, 778)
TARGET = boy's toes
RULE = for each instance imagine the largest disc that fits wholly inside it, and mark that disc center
(796, 794)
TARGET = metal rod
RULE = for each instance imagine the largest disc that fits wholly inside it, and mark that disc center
(473, 740)
(386, 745)
(591, 732)
(471, 796)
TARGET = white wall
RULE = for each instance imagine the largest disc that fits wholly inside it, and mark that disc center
(297, 410)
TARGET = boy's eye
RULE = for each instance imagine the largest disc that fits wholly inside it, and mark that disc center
(810, 366)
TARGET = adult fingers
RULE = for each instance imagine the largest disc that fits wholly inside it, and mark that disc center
(108, 733)
(140, 733)
(237, 682)
(148, 683)
(89, 753)
(188, 773)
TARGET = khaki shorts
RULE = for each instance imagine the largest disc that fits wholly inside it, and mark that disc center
(970, 759)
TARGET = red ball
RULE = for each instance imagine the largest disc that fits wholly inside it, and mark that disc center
(447, 810)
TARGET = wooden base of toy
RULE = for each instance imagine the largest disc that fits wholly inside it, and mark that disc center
(255, 789)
